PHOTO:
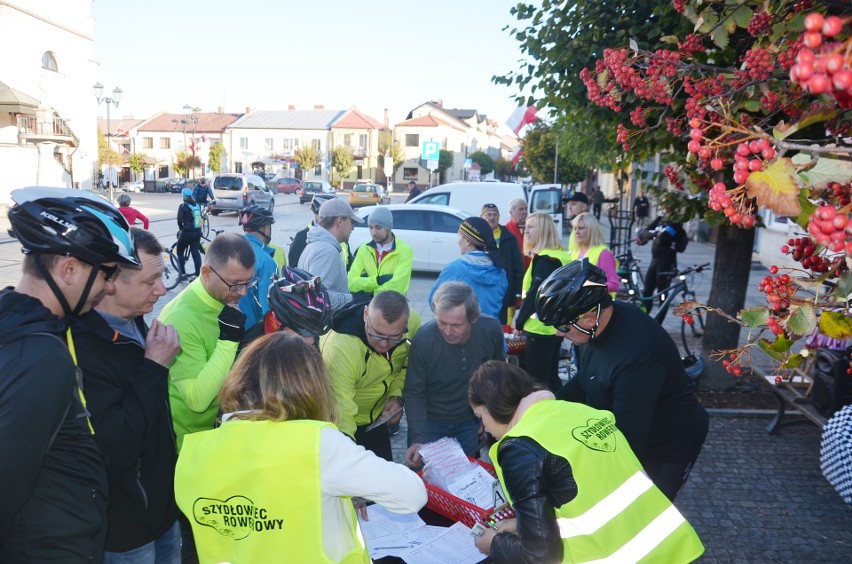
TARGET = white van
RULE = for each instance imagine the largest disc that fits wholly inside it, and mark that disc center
(547, 198)
(234, 191)
(471, 196)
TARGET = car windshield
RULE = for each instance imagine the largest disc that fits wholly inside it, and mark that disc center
(365, 188)
(313, 186)
(228, 183)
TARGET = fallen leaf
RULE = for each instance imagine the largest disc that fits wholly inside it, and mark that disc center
(775, 188)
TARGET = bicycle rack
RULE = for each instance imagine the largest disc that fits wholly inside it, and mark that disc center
(620, 231)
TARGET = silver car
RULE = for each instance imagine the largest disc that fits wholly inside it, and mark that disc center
(234, 191)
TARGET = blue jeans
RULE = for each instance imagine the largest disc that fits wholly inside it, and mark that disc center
(164, 550)
(466, 433)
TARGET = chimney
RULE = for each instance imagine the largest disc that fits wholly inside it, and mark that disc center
(248, 110)
(386, 118)
(291, 107)
(220, 110)
(319, 107)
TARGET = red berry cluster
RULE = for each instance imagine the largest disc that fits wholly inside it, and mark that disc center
(688, 319)
(734, 204)
(837, 194)
(778, 290)
(691, 44)
(758, 64)
(787, 58)
(674, 178)
(733, 364)
(804, 250)
(759, 24)
(820, 68)
(743, 165)
(829, 228)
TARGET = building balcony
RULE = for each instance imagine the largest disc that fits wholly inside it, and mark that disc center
(37, 129)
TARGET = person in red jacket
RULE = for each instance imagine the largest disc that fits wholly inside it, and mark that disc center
(130, 214)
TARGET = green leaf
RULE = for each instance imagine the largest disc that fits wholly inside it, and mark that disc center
(794, 361)
(754, 316)
(766, 347)
(782, 343)
(836, 325)
(808, 207)
(802, 321)
(825, 171)
(751, 105)
(823, 113)
(689, 13)
(844, 284)
(673, 39)
(707, 21)
(720, 36)
(742, 16)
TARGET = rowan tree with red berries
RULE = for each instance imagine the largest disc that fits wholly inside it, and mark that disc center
(750, 104)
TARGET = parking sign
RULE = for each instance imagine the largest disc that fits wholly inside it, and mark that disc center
(430, 150)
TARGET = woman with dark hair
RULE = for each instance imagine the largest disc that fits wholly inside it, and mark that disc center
(274, 482)
(578, 491)
(480, 266)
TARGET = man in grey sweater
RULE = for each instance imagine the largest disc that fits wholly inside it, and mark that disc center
(322, 254)
(444, 355)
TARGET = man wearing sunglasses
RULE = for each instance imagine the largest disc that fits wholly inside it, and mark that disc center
(210, 327)
(629, 365)
(366, 355)
(53, 487)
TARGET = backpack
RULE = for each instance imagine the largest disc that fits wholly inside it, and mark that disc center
(681, 241)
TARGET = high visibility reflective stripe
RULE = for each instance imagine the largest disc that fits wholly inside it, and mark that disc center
(648, 538)
(607, 509)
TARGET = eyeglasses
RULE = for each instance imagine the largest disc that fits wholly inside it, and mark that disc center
(110, 272)
(235, 287)
(384, 338)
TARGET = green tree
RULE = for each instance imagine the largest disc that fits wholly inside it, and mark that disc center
(214, 157)
(136, 162)
(486, 163)
(180, 163)
(539, 155)
(387, 145)
(504, 169)
(106, 155)
(445, 161)
(307, 158)
(342, 162)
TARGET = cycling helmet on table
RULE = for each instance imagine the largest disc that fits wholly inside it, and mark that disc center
(570, 292)
(318, 200)
(254, 217)
(300, 302)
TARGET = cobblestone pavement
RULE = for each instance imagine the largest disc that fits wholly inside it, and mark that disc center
(752, 497)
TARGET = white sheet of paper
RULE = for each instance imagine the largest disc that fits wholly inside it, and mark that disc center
(383, 523)
(396, 545)
(475, 486)
(455, 545)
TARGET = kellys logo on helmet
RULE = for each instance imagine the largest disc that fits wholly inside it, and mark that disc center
(50, 217)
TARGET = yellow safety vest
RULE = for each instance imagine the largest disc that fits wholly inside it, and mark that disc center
(251, 490)
(533, 325)
(618, 514)
(594, 254)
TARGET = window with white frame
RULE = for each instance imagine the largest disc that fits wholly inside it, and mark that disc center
(147, 142)
(48, 62)
(362, 142)
(269, 144)
(165, 143)
(244, 143)
(412, 140)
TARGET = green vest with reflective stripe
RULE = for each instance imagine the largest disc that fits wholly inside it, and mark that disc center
(533, 325)
(618, 514)
(251, 490)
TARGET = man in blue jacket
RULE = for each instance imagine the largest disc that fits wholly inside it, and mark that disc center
(257, 224)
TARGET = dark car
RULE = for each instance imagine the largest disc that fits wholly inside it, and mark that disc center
(311, 187)
(285, 185)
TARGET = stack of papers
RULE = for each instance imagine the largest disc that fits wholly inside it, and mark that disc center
(410, 538)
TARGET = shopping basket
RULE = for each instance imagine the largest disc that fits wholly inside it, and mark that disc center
(456, 509)
(517, 345)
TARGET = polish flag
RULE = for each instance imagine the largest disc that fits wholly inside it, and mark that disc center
(521, 117)
(516, 156)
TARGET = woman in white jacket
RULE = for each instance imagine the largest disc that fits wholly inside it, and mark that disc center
(275, 480)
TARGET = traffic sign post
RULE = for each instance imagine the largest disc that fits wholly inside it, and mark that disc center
(430, 150)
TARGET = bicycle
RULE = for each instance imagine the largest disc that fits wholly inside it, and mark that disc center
(680, 287)
(173, 273)
(630, 273)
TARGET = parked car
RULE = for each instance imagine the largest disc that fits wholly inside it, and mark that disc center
(234, 191)
(431, 230)
(311, 187)
(136, 186)
(368, 195)
(470, 196)
(286, 185)
(173, 184)
(547, 198)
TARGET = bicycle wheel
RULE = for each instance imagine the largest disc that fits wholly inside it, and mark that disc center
(171, 273)
(205, 225)
(691, 337)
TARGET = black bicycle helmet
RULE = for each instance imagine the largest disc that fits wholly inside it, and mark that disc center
(254, 217)
(318, 200)
(571, 291)
(70, 222)
(300, 302)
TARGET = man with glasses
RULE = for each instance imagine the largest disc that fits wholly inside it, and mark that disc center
(444, 355)
(53, 487)
(321, 256)
(629, 365)
(366, 355)
(210, 327)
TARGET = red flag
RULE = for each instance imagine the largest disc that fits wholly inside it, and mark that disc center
(521, 117)
(516, 156)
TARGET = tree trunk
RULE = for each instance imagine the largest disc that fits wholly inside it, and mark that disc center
(728, 292)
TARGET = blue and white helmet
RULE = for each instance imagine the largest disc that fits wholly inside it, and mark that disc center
(70, 222)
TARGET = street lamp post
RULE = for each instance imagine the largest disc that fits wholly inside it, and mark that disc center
(192, 118)
(114, 100)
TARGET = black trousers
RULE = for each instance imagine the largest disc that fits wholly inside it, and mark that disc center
(191, 239)
(377, 440)
(655, 281)
(542, 359)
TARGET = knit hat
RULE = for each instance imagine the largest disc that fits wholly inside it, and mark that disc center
(489, 207)
(381, 216)
(477, 231)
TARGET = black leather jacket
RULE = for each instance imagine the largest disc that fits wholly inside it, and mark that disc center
(537, 482)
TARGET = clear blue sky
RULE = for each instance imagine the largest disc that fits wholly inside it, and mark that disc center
(266, 55)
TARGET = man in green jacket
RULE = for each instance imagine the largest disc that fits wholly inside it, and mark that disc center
(385, 262)
(366, 355)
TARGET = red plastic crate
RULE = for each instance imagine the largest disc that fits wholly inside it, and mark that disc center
(456, 509)
(517, 346)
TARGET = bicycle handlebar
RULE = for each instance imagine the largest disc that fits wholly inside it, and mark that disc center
(698, 268)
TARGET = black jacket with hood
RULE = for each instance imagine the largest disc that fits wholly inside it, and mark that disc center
(53, 488)
(128, 398)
